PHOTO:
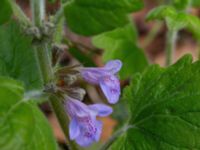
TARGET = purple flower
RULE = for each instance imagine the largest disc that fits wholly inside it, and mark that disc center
(106, 78)
(84, 128)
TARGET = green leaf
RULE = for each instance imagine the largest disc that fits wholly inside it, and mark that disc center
(165, 108)
(161, 12)
(167, 13)
(17, 58)
(5, 11)
(177, 22)
(22, 125)
(174, 19)
(193, 25)
(89, 17)
(121, 44)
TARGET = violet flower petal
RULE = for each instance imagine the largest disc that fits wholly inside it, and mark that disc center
(90, 132)
(74, 129)
(102, 110)
(84, 127)
(110, 86)
(84, 141)
(99, 128)
(76, 108)
(113, 66)
(92, 75)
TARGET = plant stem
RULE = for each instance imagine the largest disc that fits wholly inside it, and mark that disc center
(38, 12)
(60, 13)
(47, 75)
(171, 39)
(44, 62)
(115, 136)
(60, 112)
(19, 13)
(55, 101)
(152, 34)
(170, 46)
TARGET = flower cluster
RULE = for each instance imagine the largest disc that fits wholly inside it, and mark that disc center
(84, 128)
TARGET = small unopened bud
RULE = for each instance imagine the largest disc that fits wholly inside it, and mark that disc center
(48, 29)
(50, 88)
(77, 93)
(70, 79)
(34, 31)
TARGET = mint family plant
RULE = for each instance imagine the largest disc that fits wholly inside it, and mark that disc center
(163, 103)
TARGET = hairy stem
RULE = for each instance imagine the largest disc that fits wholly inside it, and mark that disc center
(60, 112)
(170, 46)
(60, 13)
(19, 13)
(38, 11)
(44, 62)
(47, 75)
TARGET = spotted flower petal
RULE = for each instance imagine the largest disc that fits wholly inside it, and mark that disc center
(92, 75)
(113, 66)
(106, 78)
(98, 133)
(102, 110)
(74, 129)
(110, 86)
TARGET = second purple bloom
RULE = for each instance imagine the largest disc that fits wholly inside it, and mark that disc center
(106, 78)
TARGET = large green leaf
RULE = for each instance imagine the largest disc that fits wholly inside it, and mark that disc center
(89, 17)
(5, 11)
(165, 108)
(22, 125)
(17, 58)
(121, 44)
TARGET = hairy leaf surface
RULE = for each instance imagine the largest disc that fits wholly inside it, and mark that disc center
(22, 125)
(165, 108)
(17, 58)
(5, 11)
